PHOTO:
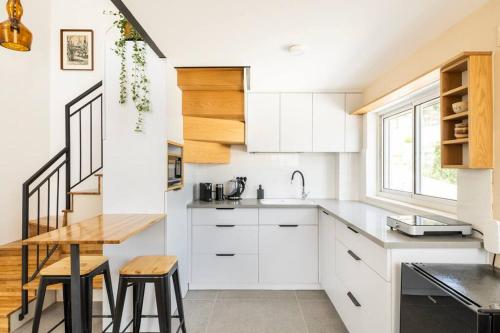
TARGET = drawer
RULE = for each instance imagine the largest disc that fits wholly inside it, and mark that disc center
(368, 288)
(210, 268)
(299, 216)
(372, 254)
(288, 254)
(351, 315)
(240, 239)
(233, 216)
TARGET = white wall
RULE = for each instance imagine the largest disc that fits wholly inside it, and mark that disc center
(66, 85)
(273, 171)
(24, 96)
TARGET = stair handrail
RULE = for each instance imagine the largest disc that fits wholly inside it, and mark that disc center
(56, 163)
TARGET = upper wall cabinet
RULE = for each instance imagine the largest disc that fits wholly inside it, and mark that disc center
(303, 122)
(263, 122)
(296, 122)
(353, 124)
(328, 122)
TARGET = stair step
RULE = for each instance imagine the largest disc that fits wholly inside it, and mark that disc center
(10, 304)
(99, 175)
(89, 192)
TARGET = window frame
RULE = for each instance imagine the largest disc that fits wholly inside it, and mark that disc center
(429, 96)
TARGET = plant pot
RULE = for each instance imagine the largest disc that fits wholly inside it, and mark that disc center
(130, 33)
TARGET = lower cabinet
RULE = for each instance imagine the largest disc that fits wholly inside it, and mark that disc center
(288, 254)
(225, 268)
(326, 252)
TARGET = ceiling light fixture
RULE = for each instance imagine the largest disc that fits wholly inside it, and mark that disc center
(297, 49)
(13, 34)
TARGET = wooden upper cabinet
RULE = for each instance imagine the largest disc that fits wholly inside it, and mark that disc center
(210, 78)
(467, 77)
(296, 122)
(263, 122)
(329, 118)
(214, 130)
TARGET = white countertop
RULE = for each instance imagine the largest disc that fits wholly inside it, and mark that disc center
(369, 220)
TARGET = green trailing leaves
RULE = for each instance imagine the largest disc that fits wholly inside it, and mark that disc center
(139, 82)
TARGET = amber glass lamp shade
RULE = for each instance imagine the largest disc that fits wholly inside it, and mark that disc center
(13, 34)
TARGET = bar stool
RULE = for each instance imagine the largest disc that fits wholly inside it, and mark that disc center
(156, 270)
(60, 272)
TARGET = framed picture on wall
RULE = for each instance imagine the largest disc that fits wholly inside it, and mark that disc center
(77, 49)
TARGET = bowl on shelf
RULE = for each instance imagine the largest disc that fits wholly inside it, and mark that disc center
(461, 130)
(459, 106)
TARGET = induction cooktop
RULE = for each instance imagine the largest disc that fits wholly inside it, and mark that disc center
(419, 225)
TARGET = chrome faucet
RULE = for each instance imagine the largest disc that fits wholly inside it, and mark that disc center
(304, 194)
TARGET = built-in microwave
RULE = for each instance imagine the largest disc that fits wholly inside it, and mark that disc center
(445, 298)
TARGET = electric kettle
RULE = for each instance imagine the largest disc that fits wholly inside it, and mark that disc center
(236, 187)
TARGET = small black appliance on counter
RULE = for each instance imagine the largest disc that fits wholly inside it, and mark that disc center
(446, 298)
(236, 188)
(206, 192)
(219, 192)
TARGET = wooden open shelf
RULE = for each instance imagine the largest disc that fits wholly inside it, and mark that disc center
(467, 77)
(456, 141)
(457, 116)
(459, 91)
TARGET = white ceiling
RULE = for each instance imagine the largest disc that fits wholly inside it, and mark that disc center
(350, 43)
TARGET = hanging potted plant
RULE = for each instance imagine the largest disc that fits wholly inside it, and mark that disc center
(139, 84)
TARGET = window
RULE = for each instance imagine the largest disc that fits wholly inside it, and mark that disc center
(411, 153)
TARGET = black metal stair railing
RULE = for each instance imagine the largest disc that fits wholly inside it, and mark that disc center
(48, 190)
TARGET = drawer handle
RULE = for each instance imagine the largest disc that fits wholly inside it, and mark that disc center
(288, 225)
(353, 230)
(353, 299)
(225, 254)
(226, 208)
(352, 254)
(325, 213)
(224, 225)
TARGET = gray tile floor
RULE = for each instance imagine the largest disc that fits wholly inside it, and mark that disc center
(243, 311)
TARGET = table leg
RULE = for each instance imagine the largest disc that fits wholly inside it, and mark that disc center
(76, 293)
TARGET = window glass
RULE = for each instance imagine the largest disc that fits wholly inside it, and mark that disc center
(431, 180)
(398, 152)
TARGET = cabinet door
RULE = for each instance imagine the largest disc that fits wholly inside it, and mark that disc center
(353, 124)
(263, 122)
(326, 252)
(328, 122)
(288, 254)
(296, 122)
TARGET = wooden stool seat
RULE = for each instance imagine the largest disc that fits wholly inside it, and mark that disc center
(63, 266)
(149, 265)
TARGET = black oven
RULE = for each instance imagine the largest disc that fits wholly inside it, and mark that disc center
(433, 299)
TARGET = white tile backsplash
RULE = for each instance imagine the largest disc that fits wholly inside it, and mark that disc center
(273, 171)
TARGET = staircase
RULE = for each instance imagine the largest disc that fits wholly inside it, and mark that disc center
(55, 196)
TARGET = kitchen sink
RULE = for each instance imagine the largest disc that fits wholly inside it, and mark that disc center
(290, 202)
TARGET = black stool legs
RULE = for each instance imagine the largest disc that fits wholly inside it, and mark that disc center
(163, 302)
(87, 297)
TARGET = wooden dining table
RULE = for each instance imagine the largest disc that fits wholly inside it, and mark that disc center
(102, 229)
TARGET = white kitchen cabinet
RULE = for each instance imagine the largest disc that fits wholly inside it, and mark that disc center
(225, 216)
(353, 124)
(329, 119)
(296, 130)
(224, 268)
(300, 216)
(263, 122)
(326, 252)
(288, 254)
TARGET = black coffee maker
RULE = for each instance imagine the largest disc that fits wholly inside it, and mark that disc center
(206, 192)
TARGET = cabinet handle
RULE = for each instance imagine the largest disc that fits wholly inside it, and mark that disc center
(325, 213)
(353, 230)
(226, 208)
(288, 225)
(353, 299)
(224, 225)
(225, 254)
(352, 254)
